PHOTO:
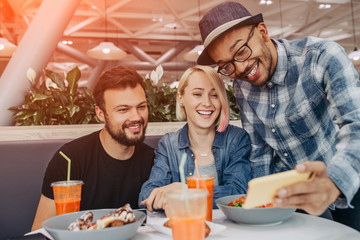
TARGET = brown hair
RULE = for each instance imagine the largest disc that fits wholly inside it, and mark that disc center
(117, 77)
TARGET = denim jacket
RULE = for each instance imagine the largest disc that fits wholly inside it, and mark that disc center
(230, 148)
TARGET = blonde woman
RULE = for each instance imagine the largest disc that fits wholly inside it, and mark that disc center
(223, 149)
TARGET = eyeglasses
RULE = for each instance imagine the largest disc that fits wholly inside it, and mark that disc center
(241, 55)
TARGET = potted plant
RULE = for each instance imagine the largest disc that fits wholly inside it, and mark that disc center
(161, 99)
(56, 101)
(59, 100)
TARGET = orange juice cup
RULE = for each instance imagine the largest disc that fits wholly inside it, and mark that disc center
(187, 213)
(204, 182)
(67, 196)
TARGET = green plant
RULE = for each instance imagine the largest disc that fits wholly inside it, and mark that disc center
(60, 101)
(161, 99)
(234, 109)
(161, 102)
(55, 102)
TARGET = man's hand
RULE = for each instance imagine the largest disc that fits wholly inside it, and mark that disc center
(313, 197)
(157, 199)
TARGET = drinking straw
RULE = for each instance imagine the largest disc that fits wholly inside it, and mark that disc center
(196, 165)
(182, 178)
(197, 172)
(69, 165)
(182, 174)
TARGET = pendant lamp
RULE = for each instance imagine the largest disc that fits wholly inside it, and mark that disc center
(106, 50)
(194, 53)
(355, 54)
(6, 48)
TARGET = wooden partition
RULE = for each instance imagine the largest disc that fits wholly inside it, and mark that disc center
(14, 133)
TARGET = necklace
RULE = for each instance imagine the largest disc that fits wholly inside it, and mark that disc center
(205, 153)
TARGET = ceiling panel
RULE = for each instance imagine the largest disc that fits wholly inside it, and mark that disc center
(159, 26)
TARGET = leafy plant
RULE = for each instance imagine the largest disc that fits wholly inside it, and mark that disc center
(60, 101)
(234, 109)
(56, 101)
(161, 102)
(161, 99)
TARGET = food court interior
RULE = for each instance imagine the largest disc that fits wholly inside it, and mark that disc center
(58, 36)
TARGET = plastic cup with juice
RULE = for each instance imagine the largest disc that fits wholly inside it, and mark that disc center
(67, 196)
(187, 211)
(204, 182)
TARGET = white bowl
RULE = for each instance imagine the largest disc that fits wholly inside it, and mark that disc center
(258, 216)
(57, 227)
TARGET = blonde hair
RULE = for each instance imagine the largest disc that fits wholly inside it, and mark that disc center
(219, 87)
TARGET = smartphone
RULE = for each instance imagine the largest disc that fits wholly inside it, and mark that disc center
(262, 190)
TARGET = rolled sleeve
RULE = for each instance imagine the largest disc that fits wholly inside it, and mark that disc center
(160, 173)
(343, 91)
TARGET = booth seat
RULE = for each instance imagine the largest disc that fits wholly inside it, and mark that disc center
(22, 167)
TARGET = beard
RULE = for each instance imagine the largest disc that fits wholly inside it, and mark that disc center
(121, 137)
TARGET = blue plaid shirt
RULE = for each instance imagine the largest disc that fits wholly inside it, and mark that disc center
(309, 110)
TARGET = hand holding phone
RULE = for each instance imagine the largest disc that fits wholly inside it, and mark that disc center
(262, 190)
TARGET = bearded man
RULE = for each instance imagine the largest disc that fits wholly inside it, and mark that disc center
(114, 162)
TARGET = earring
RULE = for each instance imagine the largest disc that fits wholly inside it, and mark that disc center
(181, 104)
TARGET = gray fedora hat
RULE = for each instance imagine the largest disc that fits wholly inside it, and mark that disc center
(218, 20)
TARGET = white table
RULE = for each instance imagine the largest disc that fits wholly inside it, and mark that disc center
(298, 227)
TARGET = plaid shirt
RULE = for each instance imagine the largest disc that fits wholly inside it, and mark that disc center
(309, 110)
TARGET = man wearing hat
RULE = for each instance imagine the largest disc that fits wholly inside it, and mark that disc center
(300, 103)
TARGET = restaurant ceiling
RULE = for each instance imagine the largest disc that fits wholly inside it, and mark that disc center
(157, 27)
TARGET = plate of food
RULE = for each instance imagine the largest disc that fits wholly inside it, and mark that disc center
(163, 225)
(110, 224)
(232, 208)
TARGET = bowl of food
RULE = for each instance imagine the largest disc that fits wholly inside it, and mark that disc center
(265, 214)
(110, 224)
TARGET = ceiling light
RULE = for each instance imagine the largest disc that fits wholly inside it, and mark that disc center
(157, 19)
(194, 53)
(65, 42)
(267, 2)
(324, 6)
(170, 25)
(6, 48)
(106, 51)
(355, 54)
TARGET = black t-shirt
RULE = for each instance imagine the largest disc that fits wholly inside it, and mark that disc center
(108, 183)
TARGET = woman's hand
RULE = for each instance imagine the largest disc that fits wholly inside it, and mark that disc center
(156, 199)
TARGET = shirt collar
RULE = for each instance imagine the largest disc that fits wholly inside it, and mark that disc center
(281, 66)
(219, 140)
(183, 137)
